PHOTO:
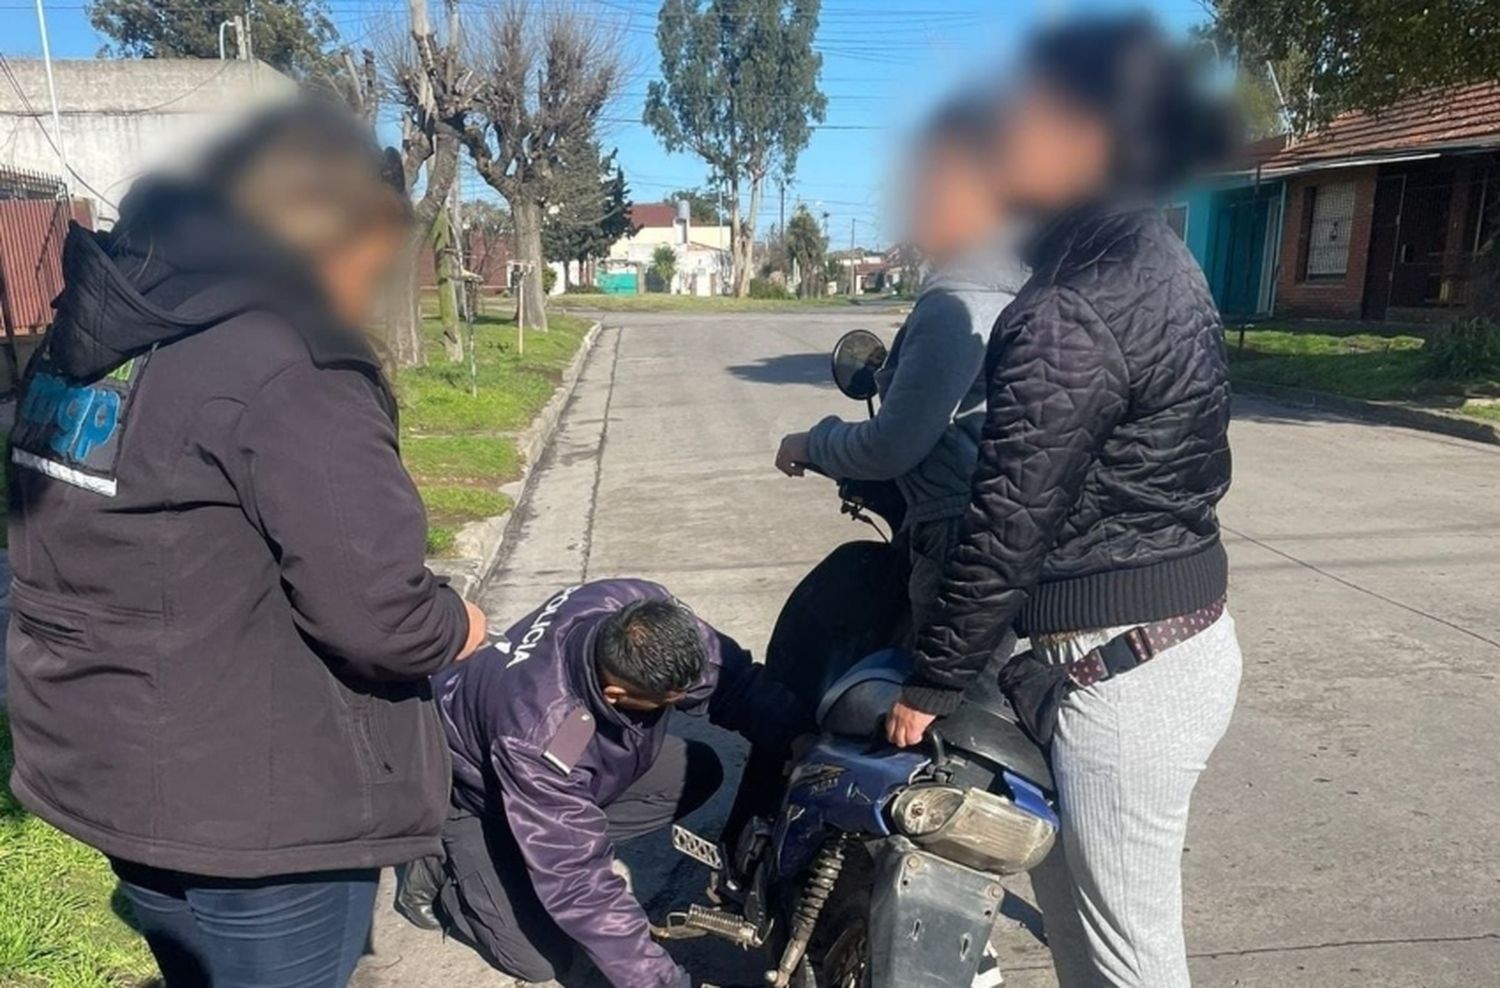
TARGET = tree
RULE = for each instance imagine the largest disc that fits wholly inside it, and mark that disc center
(487, 231)
(807, 246)
(592, 212)
(739, 89)
(546, 78)
(436, 93)
(1332, 55)
(774, 256)
(704, 207)
(294, 36)
(663, 267)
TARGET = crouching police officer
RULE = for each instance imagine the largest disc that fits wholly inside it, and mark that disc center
(560, 751)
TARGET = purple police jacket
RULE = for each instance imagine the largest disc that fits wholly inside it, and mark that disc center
(533, 740)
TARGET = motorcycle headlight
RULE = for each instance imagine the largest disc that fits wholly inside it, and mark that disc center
(980, 829)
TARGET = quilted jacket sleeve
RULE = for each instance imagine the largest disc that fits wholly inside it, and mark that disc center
(1057, 387)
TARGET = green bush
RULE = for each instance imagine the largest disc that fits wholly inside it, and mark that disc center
(663, 267)
(584, 290)
(549, 279)
(1464, 349)
(766, 288)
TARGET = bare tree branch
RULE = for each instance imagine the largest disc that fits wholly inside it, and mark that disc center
(546, 77)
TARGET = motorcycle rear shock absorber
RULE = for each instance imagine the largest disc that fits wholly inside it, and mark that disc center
(822, 877)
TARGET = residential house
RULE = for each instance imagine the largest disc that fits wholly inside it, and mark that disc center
(1374, 217)
(486, 258)
(121, 117)
(702, 251)
(867, 271)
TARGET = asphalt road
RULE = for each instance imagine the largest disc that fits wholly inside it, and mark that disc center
(1344, 833)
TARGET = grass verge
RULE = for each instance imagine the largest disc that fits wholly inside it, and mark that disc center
(58, 924)
(459, 443)
(1367, 366)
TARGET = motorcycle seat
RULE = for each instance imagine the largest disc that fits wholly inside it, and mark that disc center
(856, 705)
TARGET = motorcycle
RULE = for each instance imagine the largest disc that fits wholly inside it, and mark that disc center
(856, 864)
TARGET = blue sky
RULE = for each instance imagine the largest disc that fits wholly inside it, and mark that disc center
(885, 62)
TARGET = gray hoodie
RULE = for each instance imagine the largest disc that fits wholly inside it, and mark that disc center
(925, 435)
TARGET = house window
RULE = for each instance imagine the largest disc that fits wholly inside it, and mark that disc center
(1177, 217)
(1328, 230)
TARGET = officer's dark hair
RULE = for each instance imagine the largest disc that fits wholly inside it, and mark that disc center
(651, 645)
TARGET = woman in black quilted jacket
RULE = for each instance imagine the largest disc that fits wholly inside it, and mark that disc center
(1092, 524)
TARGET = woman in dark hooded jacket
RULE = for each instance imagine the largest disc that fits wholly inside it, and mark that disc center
(223, 622)
(1091, 525)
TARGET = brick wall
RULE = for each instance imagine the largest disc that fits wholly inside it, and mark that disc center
(1324, 298)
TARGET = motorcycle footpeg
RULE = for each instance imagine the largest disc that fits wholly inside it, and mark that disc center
(699, 921)
(700, 849)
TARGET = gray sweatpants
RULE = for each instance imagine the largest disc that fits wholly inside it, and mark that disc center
(1126, 755)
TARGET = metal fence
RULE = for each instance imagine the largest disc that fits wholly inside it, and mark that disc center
(34, 214)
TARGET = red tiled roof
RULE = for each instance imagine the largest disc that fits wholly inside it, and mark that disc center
(1449, 118)
(653, 214)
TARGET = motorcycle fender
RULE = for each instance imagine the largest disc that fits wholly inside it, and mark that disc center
(930, 919)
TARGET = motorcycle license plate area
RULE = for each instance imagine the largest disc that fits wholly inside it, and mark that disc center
(930, 919)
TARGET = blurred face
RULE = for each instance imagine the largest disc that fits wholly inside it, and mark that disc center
(954, 207)
(628, 698)
(355, 272)
(1051, 154)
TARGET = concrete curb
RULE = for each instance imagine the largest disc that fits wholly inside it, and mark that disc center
(480, 543)
(1384, 413)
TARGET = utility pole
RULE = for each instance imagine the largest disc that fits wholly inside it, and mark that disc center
(853, 260)
(58, 145)
(781, 184)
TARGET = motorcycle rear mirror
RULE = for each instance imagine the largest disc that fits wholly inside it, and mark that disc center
(856, 357)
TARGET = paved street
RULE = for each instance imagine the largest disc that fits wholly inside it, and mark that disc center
(1343, 836)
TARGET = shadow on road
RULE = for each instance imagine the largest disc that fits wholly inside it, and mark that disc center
(788, 368)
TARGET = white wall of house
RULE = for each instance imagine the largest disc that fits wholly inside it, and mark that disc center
(122, 117)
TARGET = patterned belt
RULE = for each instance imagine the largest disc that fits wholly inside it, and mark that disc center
(1140, 645)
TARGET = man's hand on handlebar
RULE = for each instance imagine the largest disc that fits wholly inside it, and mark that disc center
(792, 458)
(905, 726)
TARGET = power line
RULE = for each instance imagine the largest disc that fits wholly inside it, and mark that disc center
(36, 118)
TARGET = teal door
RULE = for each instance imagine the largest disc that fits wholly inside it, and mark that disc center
(1238, 249)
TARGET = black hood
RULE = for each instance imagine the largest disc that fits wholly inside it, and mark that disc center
(179, 262)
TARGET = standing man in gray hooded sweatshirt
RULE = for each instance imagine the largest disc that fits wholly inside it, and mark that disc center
(925, 435)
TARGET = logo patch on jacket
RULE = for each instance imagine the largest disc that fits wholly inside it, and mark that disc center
(571, 741)
(72, 432)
